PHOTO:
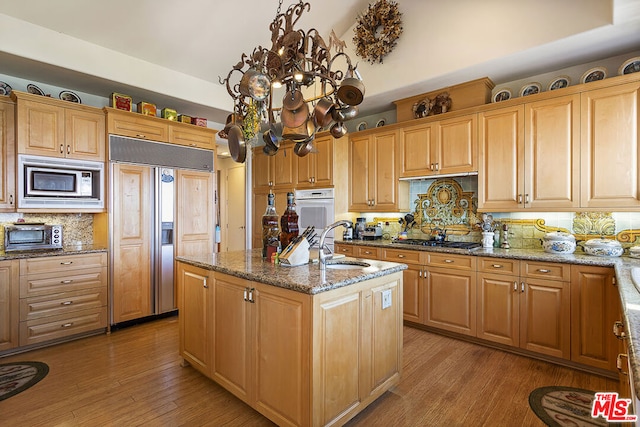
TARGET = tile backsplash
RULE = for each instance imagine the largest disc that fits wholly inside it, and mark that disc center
(75, 227)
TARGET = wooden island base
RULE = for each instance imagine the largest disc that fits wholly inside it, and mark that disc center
(299, 359)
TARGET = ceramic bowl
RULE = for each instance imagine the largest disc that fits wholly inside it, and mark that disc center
(559, 242)
(603, 247)
(634, 251)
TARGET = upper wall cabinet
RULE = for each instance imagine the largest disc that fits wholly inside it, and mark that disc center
(56, 128)
(530, 156)
(7, 156)
(610, 157)
(316, 168)
(275, 172)
(439, 147)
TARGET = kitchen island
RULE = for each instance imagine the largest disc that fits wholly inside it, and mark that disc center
(300, 345)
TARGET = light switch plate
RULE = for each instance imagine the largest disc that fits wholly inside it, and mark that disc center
(386, 298)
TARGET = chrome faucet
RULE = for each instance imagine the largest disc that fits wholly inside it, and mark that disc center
(322, 257)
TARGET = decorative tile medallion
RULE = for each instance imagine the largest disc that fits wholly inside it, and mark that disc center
(594, 223)
(445, 205)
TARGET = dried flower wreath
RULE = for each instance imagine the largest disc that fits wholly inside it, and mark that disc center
(378, 30)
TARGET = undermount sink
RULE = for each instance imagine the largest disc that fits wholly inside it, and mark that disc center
(348, 265)
(635, 276)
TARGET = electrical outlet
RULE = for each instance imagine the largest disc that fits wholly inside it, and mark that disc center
(386, 298)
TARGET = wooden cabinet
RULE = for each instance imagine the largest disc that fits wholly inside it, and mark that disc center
(55, 128)
(525, 304)
(610, 132)
(373, 178)
(9, 304)
(275, 172)
(450, 290)
(195, 323)
(594, 309)
(61, 296)
(530, 155)
(132, 216)
(136, 125)
(316, 168)
(7, 156)
(195, 208)
(439, 147)
(192, 136)
(413, 292)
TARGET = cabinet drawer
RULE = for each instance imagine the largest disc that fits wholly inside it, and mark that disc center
(546, 270)
(499, 266)
(62, 303)
(51, 283)
(55, 327)
(459, 262)
(399, 255)
(184, 135)
(345, 250)
(138, 127)
(62, 263)
(367, 252)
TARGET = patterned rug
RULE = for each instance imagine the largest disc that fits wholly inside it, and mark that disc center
(565, 407)
(19, 376)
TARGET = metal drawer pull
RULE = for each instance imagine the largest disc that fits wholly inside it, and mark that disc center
(66, 263)
(66, 303)
(141, 135)
(251, 300)
(61, 148)
(246, 293)
(620, 363)
(515, 286)
(401, 256)
(618, 327)
(522, 286)
(204, 283)
(66, 282)
(449, 261)
(544, 270)
(66, 325)
(496, 265)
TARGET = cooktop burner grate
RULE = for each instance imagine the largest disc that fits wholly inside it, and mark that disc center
(421, 242)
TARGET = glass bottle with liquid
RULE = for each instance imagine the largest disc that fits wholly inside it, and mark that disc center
(270, 229)
(289, 222)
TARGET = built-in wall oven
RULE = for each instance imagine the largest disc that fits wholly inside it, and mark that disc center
(316, 208)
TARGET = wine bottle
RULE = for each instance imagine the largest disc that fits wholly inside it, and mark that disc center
(289, 222)
(270, 229)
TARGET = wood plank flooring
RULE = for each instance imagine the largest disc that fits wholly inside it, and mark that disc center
(133, 377)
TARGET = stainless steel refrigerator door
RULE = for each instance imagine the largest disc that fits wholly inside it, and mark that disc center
(165, 295)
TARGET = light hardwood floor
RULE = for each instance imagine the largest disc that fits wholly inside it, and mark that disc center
(133, 377)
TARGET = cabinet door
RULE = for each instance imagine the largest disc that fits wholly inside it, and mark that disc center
(610, 151)
(195, 306)
(284, 167)
(85, 136)
(501, 154)
(545, 308)
(457, 148)
(384, 179)
(7, 158)
(137, 126)
(360, 155)
(316, 168)
(552, 153)
(232, 335)
(195, 201)
(192, 136)
(594, 308)
(451, 300)
(9, 310)
(40, 129)
(281, 342)
(131, 245)
(498, 308)
(416, 149)
(262, 166)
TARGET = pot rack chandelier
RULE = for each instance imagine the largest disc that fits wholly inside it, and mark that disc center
(296, 61)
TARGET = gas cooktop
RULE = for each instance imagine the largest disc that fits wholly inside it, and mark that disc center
(455, 245)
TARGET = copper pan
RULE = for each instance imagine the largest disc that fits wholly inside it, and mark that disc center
(294, 118)
(300, 133)
(293, 100)
(351, 91)
(237, 147)
(323, 112)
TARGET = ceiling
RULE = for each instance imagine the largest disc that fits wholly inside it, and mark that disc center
(172, 53)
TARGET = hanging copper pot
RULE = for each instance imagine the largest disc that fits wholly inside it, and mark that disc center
(338, 130)
(293, 100)
(299, 133)
(322, 113)
(345, 113)
(294, 118)
(303, 148)
(271, 143)
(255, 84)
(237, 147)
(351, 91)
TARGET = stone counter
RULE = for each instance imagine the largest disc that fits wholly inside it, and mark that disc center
(307, 278)
(67, 250)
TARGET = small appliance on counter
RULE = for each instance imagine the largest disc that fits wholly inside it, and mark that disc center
(361, 224)
(23, 236)
(372, 233)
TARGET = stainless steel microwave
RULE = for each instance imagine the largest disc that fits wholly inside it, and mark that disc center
(32, 236)
(46, 182)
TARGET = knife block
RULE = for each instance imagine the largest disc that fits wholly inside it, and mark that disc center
(297, 255)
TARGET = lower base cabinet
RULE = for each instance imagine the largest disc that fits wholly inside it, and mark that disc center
(290, 355)
(9, 299)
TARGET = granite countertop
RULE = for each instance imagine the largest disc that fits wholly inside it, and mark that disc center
(67, 250)
(306, 278)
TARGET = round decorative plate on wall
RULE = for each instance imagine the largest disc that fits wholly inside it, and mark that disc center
(630, 66)
(594, 74)
(502, 95)
(559, 82)
(530, 89)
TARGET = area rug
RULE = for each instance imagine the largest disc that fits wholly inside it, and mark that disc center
(565, 407)
(19, 376)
